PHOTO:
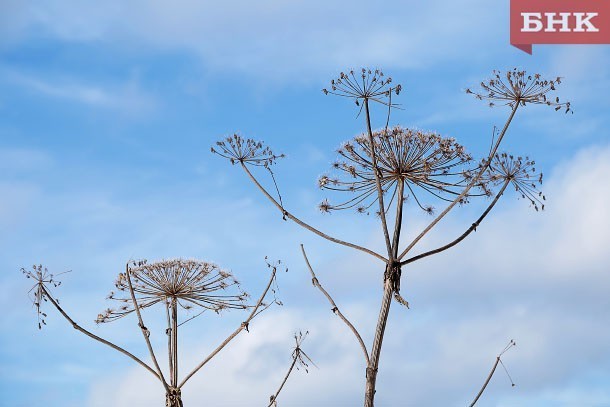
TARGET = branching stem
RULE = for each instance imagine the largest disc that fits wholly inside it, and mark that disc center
(244, 325)
(472, 228)
(468, 187)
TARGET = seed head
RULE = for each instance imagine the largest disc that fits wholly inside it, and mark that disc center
(364, 84)
(191, 283)
(246, 151)
(521, 173)
(518, 87)
(40, 291)
(422, 160)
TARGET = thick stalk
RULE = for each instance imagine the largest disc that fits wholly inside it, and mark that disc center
(173, 398)
(398, 224)
(175, 341)
(371, 370)
(390, 284)
(168, 331)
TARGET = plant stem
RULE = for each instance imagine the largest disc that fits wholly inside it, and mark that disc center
(335, 309)
(463, 235)
(175, 341)
(493, 369)
(97, 338)
(468, 187)
(371, 370)
(145, 331)
(305, 225)
(243, 326)
(376, 173)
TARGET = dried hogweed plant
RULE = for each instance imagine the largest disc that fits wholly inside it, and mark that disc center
(383, 170)
(176, 285)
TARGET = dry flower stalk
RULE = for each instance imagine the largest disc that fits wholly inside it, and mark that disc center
(390, 165)
(177, 284)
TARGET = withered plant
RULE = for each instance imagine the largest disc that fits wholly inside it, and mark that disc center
(175, 286)
(383, 170)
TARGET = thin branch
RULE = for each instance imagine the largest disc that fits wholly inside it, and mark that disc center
(244, 325)
(465, 191)
(335, 309)
(145, 331)
(93, 336)
(305, 225)
(493, 369)
(472, 228)
(273, 398)
(297, 356)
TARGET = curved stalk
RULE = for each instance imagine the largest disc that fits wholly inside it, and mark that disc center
(97, 338)
(335, 308)
(305, 225)
(145, 331)
(472, 228)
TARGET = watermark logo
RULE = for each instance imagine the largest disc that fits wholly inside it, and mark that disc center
(559, 22)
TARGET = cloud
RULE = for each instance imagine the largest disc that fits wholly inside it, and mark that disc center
(537, 278)
(126, 97)
(276, 39)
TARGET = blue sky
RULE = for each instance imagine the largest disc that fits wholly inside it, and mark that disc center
(107, 115)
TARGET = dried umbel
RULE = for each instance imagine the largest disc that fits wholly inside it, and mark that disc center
(421, 160)
(188, 283)
(365, 84)
(521, 173)
(245, 151)
(39, 292)
(519, 88)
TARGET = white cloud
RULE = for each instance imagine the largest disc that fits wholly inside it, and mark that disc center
(280, 39)
(127, 97)
(537, 278)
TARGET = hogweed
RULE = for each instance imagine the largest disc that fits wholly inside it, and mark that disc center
(178, 284)
(516, 87)
(400, 162)
(423, 161)
(189, 283)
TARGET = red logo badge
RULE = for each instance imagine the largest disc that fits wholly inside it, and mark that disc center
(559, 22)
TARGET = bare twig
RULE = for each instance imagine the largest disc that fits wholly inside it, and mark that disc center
(493, 369)
(93, 336)
(305, 225)
(244, 325)
(335, 309)
(297, 357)
(472, 228)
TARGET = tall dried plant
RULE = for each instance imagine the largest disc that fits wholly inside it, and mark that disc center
(382, 170)
(176, 286)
